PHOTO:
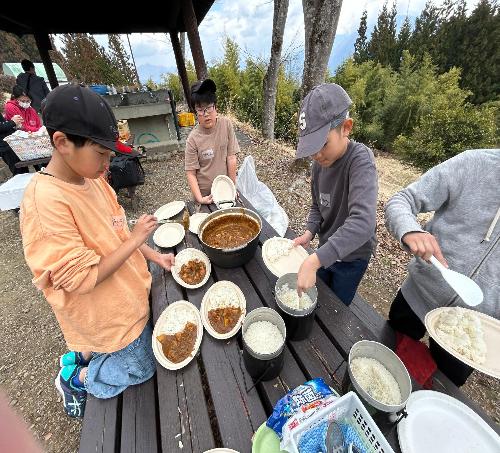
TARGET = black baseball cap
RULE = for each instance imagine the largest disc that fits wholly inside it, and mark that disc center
(202, 86)
(77, 110)
(324, 108)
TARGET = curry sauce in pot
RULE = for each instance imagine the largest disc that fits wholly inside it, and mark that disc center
(230, 231)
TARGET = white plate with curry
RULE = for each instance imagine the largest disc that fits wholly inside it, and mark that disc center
(192, 268)
(223, 309)
(177, 335)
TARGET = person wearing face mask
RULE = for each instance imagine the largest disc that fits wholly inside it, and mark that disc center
(20, 104)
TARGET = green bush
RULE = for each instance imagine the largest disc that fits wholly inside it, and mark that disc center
(447, 132)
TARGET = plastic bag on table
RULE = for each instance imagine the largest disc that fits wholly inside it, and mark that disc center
(261, 196)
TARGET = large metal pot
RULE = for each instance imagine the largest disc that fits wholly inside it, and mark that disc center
(233, 257)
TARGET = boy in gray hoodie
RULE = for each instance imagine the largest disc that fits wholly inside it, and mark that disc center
(344, 194)
(463, 234)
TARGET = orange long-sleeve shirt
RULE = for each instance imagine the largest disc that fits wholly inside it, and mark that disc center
(66, 229)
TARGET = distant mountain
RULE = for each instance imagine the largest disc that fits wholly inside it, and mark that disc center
(154, 71)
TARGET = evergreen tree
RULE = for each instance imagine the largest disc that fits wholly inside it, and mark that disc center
(15, 48)
(403, 41)
(480, 52)
(361, 44)
(121, 59)
(423, 38)
(383, 44)
(87, 61)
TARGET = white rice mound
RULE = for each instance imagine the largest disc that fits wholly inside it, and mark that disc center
(461, 329)
(289, 297)
(177, 320)
(263, 337)
(278, 248)
(223, 296)
(376, 380)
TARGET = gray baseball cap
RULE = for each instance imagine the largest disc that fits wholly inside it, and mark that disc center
(324, 108)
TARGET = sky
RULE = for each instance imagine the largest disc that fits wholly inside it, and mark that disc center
(249, 23)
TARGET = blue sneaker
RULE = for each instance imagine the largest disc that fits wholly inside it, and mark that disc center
(74, 397)
(72, 358)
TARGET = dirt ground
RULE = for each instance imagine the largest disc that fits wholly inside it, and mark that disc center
(32, 342)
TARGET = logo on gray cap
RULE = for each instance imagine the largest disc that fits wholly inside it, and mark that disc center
(324, 107)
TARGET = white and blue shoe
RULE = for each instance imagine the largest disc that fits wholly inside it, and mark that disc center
(74, 397)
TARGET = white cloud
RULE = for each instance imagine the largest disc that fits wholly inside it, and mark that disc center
(249, 23)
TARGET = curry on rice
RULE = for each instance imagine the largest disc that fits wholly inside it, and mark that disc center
(179, 346)
(224, 319)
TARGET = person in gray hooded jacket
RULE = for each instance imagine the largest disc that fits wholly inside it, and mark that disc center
(464, 234)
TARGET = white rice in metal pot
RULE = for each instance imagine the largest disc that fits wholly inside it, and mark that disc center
(376, 380)
(289, 297)
(263, 337)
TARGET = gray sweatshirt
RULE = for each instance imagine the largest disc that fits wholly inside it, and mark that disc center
(344, 204)
(464, 192)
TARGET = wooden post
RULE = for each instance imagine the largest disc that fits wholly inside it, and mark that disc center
(181, 66)
(191, 25)
(44, 45)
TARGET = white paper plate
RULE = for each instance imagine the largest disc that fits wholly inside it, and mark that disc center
(185, 256)
(159, 329)
(195, 221)
(223, 189)
(288, 264)
(491, 329)
(239, 297)
(221, 450)
(168, 235)
(169, 210)
(438, 423)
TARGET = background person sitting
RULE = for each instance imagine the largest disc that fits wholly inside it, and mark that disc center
(20, 104)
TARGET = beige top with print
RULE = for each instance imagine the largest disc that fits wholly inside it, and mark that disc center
(207, 151)
(66, 229)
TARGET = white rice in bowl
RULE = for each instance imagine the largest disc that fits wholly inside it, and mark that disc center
(376, 380)
(289, 297)
(278, 248)
(223, 296)
(263, 337)
(461, 329)
(177, 320)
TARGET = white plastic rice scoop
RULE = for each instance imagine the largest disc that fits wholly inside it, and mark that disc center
(468, 290)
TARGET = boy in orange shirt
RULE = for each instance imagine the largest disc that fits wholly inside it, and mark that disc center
(90, 267)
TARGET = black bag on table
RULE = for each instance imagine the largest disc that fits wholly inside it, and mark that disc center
(125, 171)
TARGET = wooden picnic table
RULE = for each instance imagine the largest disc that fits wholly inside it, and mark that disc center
(211, 403)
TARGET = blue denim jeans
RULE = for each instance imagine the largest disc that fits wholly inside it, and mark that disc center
(343, 278)
(110, 374)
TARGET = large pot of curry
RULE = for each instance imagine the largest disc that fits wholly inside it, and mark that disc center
(230, 236)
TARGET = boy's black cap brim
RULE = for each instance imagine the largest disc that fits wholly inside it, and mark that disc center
(204, 86)
(117, 147)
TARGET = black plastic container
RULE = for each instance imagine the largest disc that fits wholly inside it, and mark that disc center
(299, 323)
(263, 367)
